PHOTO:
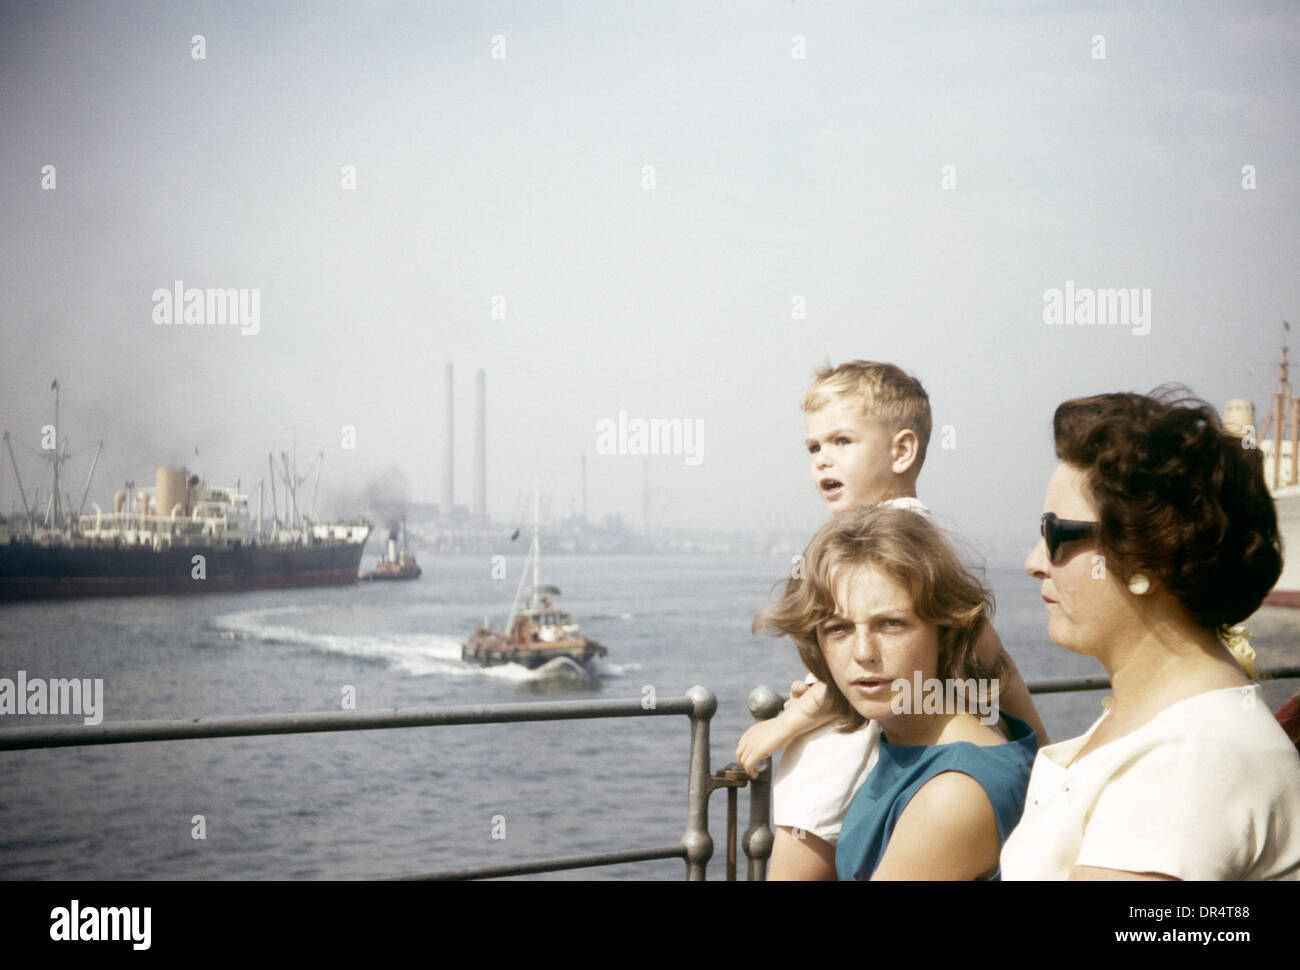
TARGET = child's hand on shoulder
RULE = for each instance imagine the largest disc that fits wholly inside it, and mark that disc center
(763, 740)
(801, 714)
(807, 699)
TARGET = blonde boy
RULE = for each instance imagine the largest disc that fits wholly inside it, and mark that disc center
(868, 425)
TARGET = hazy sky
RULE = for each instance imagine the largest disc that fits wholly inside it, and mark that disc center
(501, 150)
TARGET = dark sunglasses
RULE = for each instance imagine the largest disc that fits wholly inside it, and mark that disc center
(1056, 532)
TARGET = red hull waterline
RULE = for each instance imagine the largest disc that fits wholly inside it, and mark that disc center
(1289, 598)
(77, 588)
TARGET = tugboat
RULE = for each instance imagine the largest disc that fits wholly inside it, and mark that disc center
(536, 634)
(395, 565)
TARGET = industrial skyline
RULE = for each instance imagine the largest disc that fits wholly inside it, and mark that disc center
(648, 223)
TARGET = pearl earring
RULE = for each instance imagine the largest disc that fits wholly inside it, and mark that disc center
(1139, 584)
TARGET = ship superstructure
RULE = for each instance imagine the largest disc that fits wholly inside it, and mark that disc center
(1276, 440)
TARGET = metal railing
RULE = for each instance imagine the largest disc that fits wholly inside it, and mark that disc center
(698, 704)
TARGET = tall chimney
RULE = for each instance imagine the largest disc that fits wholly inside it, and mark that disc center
(645, 496)
(449, 457)
(480, 451)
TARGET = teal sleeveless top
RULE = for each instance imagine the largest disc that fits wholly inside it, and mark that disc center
(1002, 770)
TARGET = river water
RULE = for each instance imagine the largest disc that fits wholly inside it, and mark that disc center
(381, 803)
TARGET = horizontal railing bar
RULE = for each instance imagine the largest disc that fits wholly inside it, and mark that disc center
(126, 732)
(1062, 684)
(1280, 673)
(554, 865)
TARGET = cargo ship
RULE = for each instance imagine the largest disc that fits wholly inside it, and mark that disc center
(1276, 441)
(181, 536)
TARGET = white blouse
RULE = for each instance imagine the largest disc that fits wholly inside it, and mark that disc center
(1207, 789)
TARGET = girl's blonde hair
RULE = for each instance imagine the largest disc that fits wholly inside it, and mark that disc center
(910, 549)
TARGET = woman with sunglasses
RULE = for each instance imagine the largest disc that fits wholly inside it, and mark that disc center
(1159, 535)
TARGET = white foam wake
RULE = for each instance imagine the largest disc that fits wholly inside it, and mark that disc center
(418, 654)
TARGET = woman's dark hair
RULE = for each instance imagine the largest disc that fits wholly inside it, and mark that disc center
(1177, 498)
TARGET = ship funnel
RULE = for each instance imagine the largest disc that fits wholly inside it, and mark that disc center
(170, 490)
(119, 499)
(392, 548)
(1238, 414)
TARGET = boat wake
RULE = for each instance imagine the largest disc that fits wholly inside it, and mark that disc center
(612, 670)
(418, 654)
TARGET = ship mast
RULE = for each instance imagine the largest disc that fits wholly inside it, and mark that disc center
(14, 462)
(534, 552)
(57, 510)
(290, 488)
(52, 510)
(58, 444)
(316, 483)
(93, 462)
(537, 546)
(275, 506)
(1285, 410)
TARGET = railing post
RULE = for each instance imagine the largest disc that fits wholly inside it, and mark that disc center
(731, 835)
(697, 841)
(763, 704)
(730, 778)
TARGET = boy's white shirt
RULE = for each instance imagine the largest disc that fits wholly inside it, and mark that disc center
(820, 772)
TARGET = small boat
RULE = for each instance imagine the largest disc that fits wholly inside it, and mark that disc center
(395, 565)
(535, 634)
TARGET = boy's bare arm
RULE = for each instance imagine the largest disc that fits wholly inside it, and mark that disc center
(1014, 698)
(766, 738)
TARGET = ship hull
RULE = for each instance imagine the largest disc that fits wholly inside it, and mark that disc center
(493, 649)
(393, 574)
(34, 571)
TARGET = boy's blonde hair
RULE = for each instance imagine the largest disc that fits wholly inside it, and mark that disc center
(911, 550)
(885, 393)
